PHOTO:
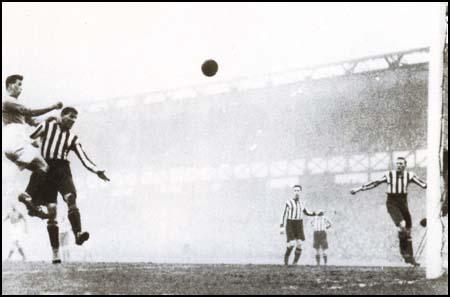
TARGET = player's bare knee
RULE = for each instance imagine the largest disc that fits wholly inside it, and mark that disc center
(52, 212)
(291, 244)
(71, 200)
(24, 197)
(299, 244)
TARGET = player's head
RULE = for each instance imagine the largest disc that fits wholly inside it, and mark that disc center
(401, 164)
(68, 117)
(297, 190)
(13, 85)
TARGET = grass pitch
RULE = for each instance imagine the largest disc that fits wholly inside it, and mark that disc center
(147, 278)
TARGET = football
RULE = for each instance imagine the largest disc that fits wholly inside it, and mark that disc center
(210, 67)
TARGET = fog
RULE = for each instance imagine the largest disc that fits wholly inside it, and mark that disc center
(203, 177)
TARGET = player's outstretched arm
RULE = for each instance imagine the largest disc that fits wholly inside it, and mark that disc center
(368, 186)
(419, 182)
(21, 109)
(39, 112)
(101, 174)
(87, 162)
(307, 212)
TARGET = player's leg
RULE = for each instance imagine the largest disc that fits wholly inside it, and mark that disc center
(69, 193)
(290, 239)
(75, 218)
(409, 252)
(324, 245)
(289, 248)
(20, 250)
(29, 157)
(397, 217)
(39, 165)
(53, 232)
(48, 196)
(33, 160)
(318, 257)
(299, 237)
(33, 210)
(11, 250)
(34, 191)
(298, 251)
(316, 246)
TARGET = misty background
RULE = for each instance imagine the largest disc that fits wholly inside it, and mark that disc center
(201, 168)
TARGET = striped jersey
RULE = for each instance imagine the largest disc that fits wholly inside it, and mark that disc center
(57, 143)
(320, 223)
(294, 210)
(398, 181)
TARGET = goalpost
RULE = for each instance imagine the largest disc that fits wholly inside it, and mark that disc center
(435, 234)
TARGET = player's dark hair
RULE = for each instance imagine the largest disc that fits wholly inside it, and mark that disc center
(67, 110)
(12, 79)
(403, 159)
(297, 186)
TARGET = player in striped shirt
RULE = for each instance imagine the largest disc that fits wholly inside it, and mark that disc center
(18, 123)
(293, 216)
(320, 224)
(397, 203)
(57, 142)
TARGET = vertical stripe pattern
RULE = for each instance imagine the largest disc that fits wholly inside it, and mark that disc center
(320, 223)
(398, 182)
(56, 144)
(293, 210)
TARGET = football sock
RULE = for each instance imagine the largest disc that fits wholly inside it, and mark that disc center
(287, 254)
(402, 236)
(21, 252)
(53, 233)
(318, 259)
(75, 221)
(409, 247)
(298, 253)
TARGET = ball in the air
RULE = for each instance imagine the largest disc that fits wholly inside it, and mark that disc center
(209, 68)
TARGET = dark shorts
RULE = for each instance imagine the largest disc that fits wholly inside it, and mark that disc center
(320, 240)
(294, 230)
(397, 206)
(44, 189)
